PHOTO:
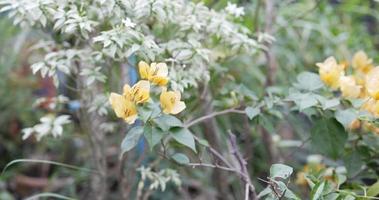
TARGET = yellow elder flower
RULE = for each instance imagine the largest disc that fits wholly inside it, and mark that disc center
(139, 93)
(372, 106)
(123, 107)
(156, 73)
(362, 62)
(349, 87)
(170, 102)
(330, 72)
(372, 83)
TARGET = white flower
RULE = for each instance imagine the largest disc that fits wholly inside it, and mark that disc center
(232, 9)
(128, 23)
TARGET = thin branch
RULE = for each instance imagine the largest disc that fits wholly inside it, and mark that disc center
(212, 115)
(211, 166)
(242, 163)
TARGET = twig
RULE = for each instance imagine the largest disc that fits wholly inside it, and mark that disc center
(214, 114)
(211, 166)
(301, 146)
(247, 191)
(242, 163)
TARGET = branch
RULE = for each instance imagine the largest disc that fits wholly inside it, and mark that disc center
(214, 114)
(242, 163)
(212, 166)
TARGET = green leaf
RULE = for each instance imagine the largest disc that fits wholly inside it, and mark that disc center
(373, 190)
(180, 158)
(280, 171)
(317, 191)
(150, 110)
(264, 192)
(153, 135)
(346, 117)
(252, 112)
(131, 139)
(184, 136)
(308, 81)
(165, 122)
(329, 103)
(303, 100)
(328, 136)
(203, 142)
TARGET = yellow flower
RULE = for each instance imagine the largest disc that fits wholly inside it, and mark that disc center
(330, 72)
(139, 93)
(156, 73)
(170, 102)
(123, 107)
(349, 87)
(372, 83)
(362, 62)
(372, 106)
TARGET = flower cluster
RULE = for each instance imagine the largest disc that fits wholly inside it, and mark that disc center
(125, 105)
(362, 83)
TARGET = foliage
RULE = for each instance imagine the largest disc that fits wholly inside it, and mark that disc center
(226, 87)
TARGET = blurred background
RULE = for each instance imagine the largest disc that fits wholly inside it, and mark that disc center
(304, 32)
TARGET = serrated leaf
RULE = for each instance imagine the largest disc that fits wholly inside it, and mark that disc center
(328, 137)
(165, 122)
(183, 136)
(180, 158)
(153, 135)
(252, 112)
(280, 171)
(317, 191)
(131, 139)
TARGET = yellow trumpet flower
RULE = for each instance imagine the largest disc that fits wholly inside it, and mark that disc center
(123, 107)
(330, 72)
(361, 62)
(170, 102)
(372, 83)
(139, 93)
(349, 87)
(156, 73)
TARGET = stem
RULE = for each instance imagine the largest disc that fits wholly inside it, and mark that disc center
(212, 115)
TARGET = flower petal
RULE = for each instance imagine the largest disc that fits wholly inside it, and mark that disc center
(143, 69)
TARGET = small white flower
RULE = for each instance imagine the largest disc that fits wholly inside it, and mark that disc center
(232, 9)
(49, 125)
(27, 133)
(128, 23)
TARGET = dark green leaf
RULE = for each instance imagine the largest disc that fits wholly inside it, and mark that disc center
(184, 136)
(131, 139)
(328, 136)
